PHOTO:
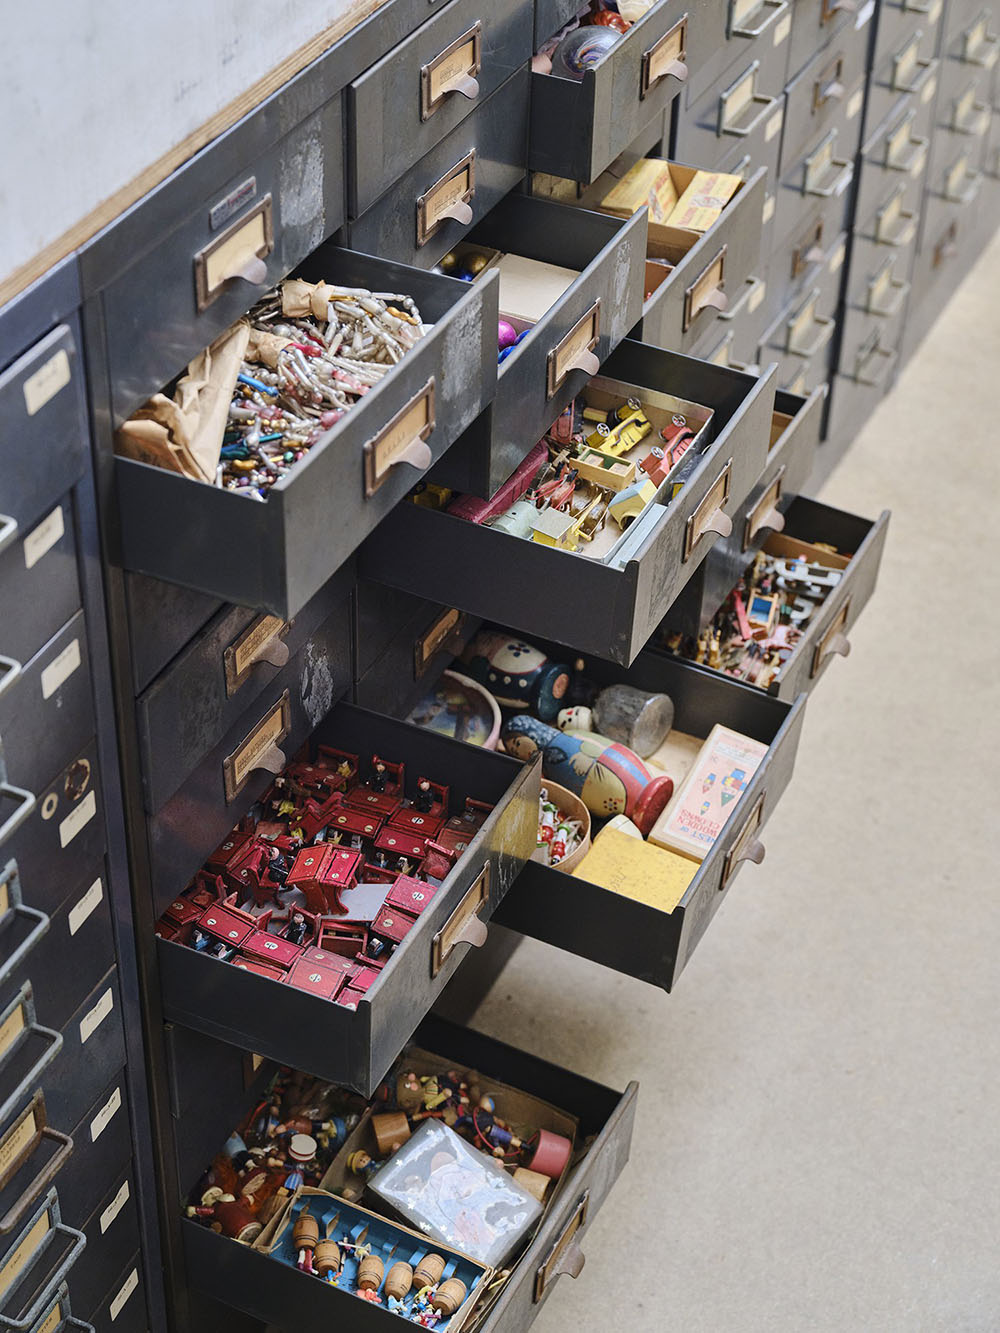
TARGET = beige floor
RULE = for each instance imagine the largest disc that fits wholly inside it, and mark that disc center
(818, 1136)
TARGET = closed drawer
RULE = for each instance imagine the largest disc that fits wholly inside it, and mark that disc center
(579, 330)
(579, 128)
(631, 936)
(264, 1287)
(456, 183)
(868, 351)
(823, 90)
(818, 185)
(455, 561)
(744, 116)
(162, 618)
(43, 423)
(416, 655)
(897, 19)
(818, 23)
(46, 707)
(896, 156)
(111, 1233)
(706, 275)
(955, 173)
(102, 1150)
(972, 38)
(231, 775)
(728, 33)
(876, 299)
(42, 1255)
(174, 272)
(207, 691)
(417, 93)
(907, 69)
(734, 338)
(801, 339)
(808, 257)
(39, 584)
(52, 833)
(278, 553)
(963, 103)
(280, 1021)
(123, 1308)
(63, 954)
(57, 1314)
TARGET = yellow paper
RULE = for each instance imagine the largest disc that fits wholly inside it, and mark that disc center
(647, 184)
(703, 200)
(637, 870)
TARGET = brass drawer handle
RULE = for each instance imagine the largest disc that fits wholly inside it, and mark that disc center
(453, 70)
(261, 641)
(464, 925)
(765, 513)
(565, 1256)
(707, 290)
(709, 516)
(445, 632)
(448, 198)
(666, 57)
(260, 749)
(238, 253)
(835, 639)
(402, 440)
(576, 351)
(746, 846)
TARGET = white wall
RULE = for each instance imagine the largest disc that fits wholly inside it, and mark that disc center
(94, 91)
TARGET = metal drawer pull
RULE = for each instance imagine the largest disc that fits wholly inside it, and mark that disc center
(804, 319)
(8, 530)
(565, 1255)
(896, 157)
(10, 669)
(707, 290)
(402, 440)
(575, 351)
(464, 925)
(829, 83)
(259, 750)
(54, 1228)
(11, 908)
(448, 198)
(54, 1318)
(775, 10)
(261, 641)
(946, 247)
(26, 803)
(238, 253)
(979, 36)
(17, 1027)
(748, 298)
(765, 513)
(834, 7)
(737, 99)
(446, 632)
(970, 116)
(835, 639)
(18, 1145)
(453, 70)
(667, 57)
(890, 214)
(872, 354)
(709, 516)
(960, 172)
(746, 845)
(886, 296)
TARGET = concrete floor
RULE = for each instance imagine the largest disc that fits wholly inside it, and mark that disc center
(818, 1136)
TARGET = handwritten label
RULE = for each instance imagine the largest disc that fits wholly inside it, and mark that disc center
(129, 1285)
(86, 906)
(773, 126)
(115, 1207)
(77, 819)
(105, 1115)
(92, 1021)
(53, 1320)
(782, 29)
(46, 382)
(60, 669)
(44, 537)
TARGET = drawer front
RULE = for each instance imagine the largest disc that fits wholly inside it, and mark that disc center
(630, 936)
(238, 768)
(454, 560)
(808, 257)
(406, 103)
(579, 128)
(971, 36)
(123, 1308)
(39, 584)
(111, 1235)
(871, 323)
(581, 328)
(878, 287)
(455, 184)
(64, 954)
(34, 1270)
(955, 172)
(897, 156)
(415, 657)
(688, 300)
(898, 19)
(818, 23)
(279, 1021)
(213, 686)
(551, 16)
(46, 707)
(729, 34)
(277, 554)
(162, 618)
(819, 183)
(802, 337)
(735, 337)
(963, 102)
(240, 234)
(743, 117)
(50, 833)
(102, 1151)
(908, 69)
(43, 423)
(822, 93)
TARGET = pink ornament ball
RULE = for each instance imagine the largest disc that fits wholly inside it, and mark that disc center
(506, 334)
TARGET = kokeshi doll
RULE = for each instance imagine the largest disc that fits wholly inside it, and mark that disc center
(326, 1258)
(370, 1271)
(428, 1272)
(449, 1296)
(305, 1234)
(399, 1280)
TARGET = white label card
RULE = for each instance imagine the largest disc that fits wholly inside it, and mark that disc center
(44, 537)
(769, 208)
(92, 1021)
(756, 296)
(86, 906)
(928, 90)
(129, 1285)
(782, 29)
(773, 126)
(61, 668)
(115, 1207)
(77, 818)
(854, 105)
(105, 1115)
(864, 14)
(837, 259)
(46, 382)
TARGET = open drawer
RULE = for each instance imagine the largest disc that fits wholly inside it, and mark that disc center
(268, 1289)
(633, 936)
(276, 553)
(598, 608)
(256, 1012)
(566, 342)
(578, 128)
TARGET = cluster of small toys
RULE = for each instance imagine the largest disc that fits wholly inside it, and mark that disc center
(287, 1141)
(585, 41)
(468, 263)
(319, 884)
(559, 834)
(602, 459)
(302, 357)
(759, 625)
